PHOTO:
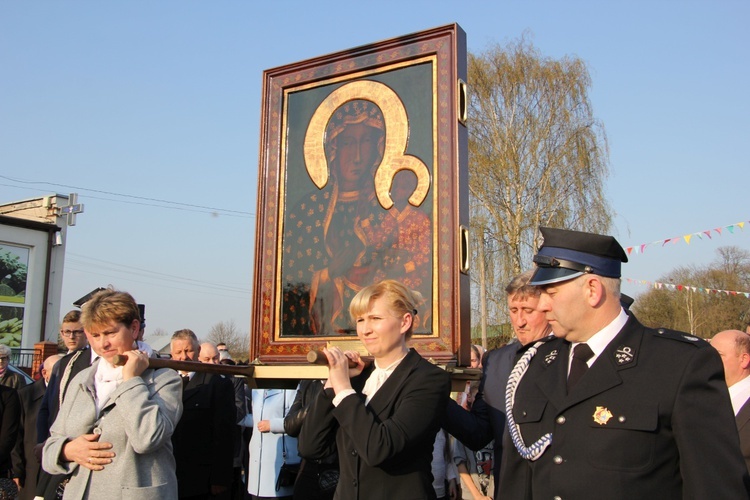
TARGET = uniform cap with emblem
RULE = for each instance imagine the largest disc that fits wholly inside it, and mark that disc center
(567, 254)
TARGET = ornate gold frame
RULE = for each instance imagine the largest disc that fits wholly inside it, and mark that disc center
(329, 81)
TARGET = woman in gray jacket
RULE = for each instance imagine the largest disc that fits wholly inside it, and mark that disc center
(113, 432)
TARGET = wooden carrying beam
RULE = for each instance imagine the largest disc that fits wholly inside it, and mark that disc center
(283, 376)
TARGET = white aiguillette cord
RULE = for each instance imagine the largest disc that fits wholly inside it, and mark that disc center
(536, 450)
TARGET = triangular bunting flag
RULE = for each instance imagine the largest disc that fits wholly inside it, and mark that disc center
(687, 238)
(731, 229)
(718, 230)
(707, 233)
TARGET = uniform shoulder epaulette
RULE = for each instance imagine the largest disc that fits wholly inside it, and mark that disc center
(680, 336)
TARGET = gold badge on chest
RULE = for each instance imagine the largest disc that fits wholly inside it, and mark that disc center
(602, 415)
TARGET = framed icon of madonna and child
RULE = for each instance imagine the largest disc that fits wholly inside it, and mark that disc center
(363, 178)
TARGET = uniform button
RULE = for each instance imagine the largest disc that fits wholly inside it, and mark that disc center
(354, 483)
(561, 419)
(523, 413)
(621, 419)
(557, 498)
(354, 453)
(557, 459)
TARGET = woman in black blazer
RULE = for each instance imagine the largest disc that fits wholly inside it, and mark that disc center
(384, 416)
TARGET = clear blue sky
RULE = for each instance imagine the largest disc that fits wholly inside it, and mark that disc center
(161, 100)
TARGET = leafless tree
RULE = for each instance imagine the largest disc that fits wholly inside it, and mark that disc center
(238, 344)
(537, 157)
(693, 303)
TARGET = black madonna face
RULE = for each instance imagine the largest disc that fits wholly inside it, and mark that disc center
(356, 149)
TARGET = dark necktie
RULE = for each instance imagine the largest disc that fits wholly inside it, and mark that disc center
(185, 380)
(581, 354)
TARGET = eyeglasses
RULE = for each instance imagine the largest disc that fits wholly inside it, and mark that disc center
(4, 359)
(71, 333)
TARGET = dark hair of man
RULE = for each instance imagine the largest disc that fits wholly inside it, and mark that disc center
(73, 316)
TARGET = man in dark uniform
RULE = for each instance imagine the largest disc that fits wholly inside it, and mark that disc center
(609, 408)
(486, 421)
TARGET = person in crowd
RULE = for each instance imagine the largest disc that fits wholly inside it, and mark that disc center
(462, 398)
(10, 417)
(270, 446)
(9, 378)
(475, 468)
(317, 478)
(223, 351)
(113, 432)
(25, 463)
(72, 333)
(477, 353)
(734, 348)
(78, 358)
(608, 407)
(203, 448)
(486, 421)
(444, 472)
(142, 345)
(385, 415)
(210, 354)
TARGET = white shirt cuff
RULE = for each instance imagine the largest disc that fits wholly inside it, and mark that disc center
(341, 395)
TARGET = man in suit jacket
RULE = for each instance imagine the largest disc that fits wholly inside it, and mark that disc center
(486, 421)
(634, 413)
(203, 440)
(25, 464)
(78, 358)
(734, 348)
(10, 415)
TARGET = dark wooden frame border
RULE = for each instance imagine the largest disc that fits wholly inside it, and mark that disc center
(451, 310)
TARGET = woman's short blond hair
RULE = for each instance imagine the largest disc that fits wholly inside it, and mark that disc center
(109, 306)
(401, 300)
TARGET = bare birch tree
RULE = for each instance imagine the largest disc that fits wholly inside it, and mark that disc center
(238, 344)
(537, 157)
